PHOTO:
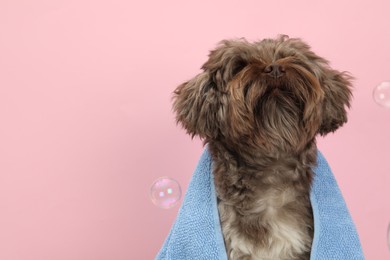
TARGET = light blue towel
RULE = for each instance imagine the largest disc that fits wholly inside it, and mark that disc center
(196, 233)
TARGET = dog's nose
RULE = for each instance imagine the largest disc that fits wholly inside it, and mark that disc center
(275, 70)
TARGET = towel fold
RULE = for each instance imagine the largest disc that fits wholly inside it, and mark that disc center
(196, 232)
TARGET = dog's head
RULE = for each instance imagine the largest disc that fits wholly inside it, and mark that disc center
(273, 93)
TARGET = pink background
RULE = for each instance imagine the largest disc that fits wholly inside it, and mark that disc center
(86, 124)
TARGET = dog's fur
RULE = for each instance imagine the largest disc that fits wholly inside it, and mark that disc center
(260, 125)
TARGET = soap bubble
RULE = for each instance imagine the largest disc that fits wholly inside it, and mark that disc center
(388, 236)
(165, 192)
(382, 94)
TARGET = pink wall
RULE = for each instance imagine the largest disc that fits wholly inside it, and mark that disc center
(86, 123)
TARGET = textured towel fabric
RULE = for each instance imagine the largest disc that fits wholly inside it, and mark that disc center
(196, 233)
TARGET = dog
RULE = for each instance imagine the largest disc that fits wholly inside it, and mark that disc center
(259, 107)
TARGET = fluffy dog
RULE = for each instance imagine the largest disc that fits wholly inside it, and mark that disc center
(259, 107)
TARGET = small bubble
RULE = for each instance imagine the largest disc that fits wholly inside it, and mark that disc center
(165, 192)
(388, 237)
(382, 94)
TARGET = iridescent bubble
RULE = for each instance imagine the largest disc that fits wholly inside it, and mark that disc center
(382, 94)
(165, 192)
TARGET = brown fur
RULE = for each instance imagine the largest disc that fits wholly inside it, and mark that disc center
(261, 130)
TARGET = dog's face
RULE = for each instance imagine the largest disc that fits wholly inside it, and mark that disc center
(275, 93)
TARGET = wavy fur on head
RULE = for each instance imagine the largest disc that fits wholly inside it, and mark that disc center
(259, 107)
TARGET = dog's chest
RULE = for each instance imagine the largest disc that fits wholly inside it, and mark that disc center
(270, 222)
(263, 235)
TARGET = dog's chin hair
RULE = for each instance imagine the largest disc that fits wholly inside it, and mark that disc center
(259, 107)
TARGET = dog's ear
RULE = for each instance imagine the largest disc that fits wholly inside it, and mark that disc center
(197, 108)
(338, 94)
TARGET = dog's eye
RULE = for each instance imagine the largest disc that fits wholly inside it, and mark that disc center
(238, 66)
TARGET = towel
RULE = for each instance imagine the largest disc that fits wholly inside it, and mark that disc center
(197, 234)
